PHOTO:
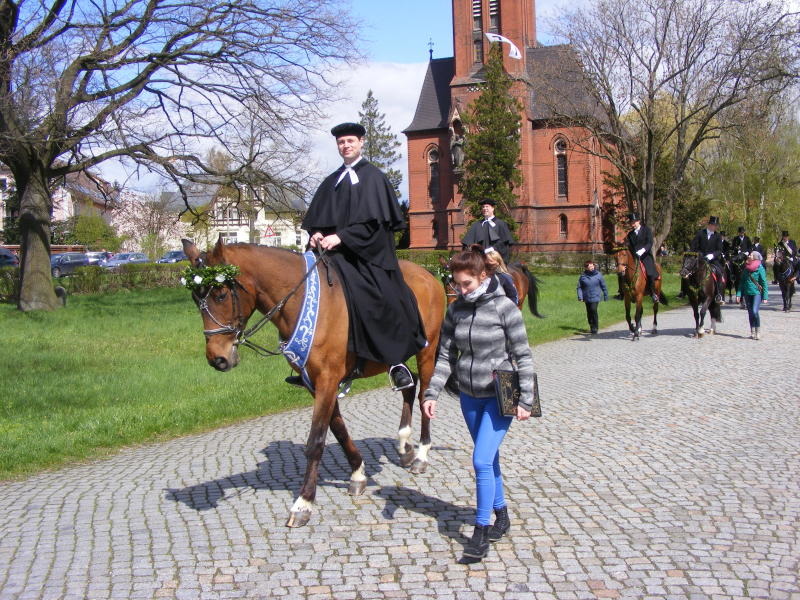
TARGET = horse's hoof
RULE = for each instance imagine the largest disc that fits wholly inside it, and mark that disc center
(406, 458)
(356, 488)
(298, 518)
(418, 467)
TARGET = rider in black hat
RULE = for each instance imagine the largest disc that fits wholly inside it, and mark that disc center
(741, 243)
(353, 216)
(490, 232)
(789, 247)
(708, 242)
(640, 242)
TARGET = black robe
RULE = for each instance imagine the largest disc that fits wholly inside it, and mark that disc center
(385, 325)
(497, 237)
(644, 239)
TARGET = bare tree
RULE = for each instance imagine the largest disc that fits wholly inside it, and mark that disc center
(659, 75)
(151, 221)
(157, 82)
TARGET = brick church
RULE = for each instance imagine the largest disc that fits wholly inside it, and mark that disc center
(562, 204)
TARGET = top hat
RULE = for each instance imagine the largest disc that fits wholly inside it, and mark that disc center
(713, 221)
(785, 233)
(355, 129)
(741, 229)
(488, 201)
(633, 217)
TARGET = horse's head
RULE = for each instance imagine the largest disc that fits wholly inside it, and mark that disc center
(224, 303)
(690, 264)
(622, 258)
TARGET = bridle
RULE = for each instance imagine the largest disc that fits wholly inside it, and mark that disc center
(237, 329)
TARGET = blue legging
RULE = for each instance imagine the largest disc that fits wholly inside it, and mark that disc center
(488, 428)
(753, 301)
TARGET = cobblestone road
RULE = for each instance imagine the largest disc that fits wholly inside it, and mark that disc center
(665, 468)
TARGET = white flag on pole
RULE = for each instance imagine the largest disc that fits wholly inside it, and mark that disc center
(513, 51)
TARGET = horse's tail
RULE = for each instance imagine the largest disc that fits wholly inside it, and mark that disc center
(662, 298)
(61, 292)
(533, 291)
(716, 312)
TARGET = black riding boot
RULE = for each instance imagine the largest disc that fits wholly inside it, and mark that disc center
(501, 524)
(401, 377)
(651, 284)
(478, 546)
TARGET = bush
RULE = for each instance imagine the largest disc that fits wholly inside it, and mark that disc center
(9, 284)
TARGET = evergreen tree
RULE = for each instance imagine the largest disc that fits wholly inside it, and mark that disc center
(491, 143)
(380, 144)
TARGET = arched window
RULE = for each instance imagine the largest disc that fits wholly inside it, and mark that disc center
(561, 167)
(433, 175)
(562, 225)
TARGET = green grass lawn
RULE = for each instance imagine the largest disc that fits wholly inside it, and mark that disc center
(125, 368)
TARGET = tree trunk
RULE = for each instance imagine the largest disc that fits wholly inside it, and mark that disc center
(36, 283)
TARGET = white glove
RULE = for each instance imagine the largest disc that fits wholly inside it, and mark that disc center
(709, 257)
(640, 251)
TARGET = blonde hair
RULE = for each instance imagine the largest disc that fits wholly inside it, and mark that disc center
(495, 256)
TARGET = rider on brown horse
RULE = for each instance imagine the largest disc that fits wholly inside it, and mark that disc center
(640, 243)
(353, 217)
(708, 242)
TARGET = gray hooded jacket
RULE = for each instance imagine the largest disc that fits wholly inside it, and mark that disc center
(478, 337)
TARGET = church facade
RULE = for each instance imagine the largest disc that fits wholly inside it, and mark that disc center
(563, 203)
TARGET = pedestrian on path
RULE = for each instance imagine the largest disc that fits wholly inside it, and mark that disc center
(591, 290)
(753, 288)
(482, 331)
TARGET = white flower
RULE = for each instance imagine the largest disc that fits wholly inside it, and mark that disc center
(183, 280)
(198, 280)
(220, 278)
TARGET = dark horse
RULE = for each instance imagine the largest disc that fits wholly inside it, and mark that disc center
(733, 274)
(266, 282)
(784, 273)
(700, 291)
(634, 289)
(526, 283)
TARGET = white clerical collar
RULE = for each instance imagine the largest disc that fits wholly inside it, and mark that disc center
(489, 220)
(349, 170)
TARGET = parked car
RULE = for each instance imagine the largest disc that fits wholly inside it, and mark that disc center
(126, 258)
(98, 258)
(8, 258)
(173, 256)
(65, 264)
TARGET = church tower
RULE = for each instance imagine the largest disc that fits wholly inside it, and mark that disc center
(559, 205)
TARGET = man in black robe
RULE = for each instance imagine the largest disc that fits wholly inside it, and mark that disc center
(490, 232)
(640, 243)
(789, 248)
(708, 242)
(353, 216)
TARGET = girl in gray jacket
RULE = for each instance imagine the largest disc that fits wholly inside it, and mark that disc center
(482, 331)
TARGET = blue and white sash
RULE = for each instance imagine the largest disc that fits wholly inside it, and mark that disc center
(298, 347)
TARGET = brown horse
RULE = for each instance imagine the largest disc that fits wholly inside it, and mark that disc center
(526, 283)
(266, 282)
(634, 288)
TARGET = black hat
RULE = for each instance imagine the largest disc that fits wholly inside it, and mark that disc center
(633, 217)
(341, 129)
(713, 221)
(741, 229)
(487, 201)
(785, 233)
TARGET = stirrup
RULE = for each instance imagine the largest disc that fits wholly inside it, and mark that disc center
(406, 371)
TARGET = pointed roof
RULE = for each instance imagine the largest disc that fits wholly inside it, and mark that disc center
(433, 106)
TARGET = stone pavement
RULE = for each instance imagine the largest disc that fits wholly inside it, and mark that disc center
(663, 468)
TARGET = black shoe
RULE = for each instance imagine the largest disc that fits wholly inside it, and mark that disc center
(594, 331)
(619, 297)
(295, 380)
(501, 524)
(655, 298)
(401, 377)
(681, 294)
(478, 547)
(718, 299)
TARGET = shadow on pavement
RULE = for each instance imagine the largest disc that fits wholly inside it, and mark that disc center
(450, 518)
(284, 470)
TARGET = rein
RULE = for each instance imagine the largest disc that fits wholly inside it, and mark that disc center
(243, 335)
